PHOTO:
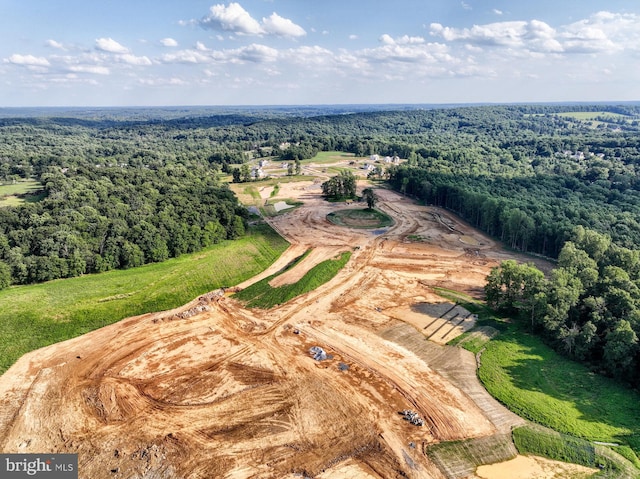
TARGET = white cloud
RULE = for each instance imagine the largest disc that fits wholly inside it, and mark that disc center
(282, 27)
(603, 32)
(169, 42)
(403, 40)
(466, 6)
(187, 56)
(110, 45)
(234, 18)
(312, 56)
(54, 44)
(94, 69)
(501, 33)
(130, 59)
(161, 81)
(201, 47)
(27, 60)
(231, 18)
(353, 37)
(255, 53)
(497, 12)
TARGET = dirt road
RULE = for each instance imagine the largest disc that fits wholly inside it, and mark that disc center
(226, 392)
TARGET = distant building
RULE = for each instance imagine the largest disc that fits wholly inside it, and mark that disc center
(256, 172)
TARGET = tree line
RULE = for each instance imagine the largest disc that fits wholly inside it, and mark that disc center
(589, 308)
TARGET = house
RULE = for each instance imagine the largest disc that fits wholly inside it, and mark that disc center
(374, 158)
(368, 167)
(256, 172)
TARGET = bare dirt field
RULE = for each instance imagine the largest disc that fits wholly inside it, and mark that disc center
(214, 390)
(533, 467)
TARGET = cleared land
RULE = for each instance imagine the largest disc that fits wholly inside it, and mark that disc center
(13, 194)
(216, 389)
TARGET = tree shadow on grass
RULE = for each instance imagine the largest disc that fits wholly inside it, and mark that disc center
(565, 395)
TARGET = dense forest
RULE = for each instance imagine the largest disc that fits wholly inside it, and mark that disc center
(125, 188)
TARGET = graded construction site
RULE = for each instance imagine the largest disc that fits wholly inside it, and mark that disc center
(216, 390)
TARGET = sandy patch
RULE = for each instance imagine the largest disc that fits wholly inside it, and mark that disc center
(533, 467)
(281, 205)
(470, 240)
(265, 192)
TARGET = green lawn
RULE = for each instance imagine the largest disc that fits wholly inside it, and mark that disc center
(13, 194)
(592, 115)
(540, 385)
(38, 315)
(328, 157)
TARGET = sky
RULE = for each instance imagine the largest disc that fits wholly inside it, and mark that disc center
(305, 52)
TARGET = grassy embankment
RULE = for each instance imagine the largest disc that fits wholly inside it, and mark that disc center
(38, 315)
(262, 295)
(546, 388)
(360, 218)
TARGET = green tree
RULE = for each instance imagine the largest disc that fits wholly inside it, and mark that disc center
(514, 287)
(245, 173)
(370, 197)
(5, 275)
(621, 345)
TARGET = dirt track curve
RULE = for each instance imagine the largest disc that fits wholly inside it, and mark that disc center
(213, 390)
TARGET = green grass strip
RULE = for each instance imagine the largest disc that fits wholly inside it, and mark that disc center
(39, 315)
(262, 295)
(544, 442)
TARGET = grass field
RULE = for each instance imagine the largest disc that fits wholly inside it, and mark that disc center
(262, 295)
(360, 218)
(38, 315)
(538, 384)
(14, 194)
(544, 387)
(592, 115)
(324, 157)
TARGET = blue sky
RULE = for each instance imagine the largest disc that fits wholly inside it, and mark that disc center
(267, 52)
